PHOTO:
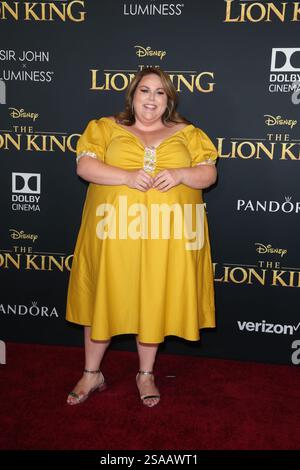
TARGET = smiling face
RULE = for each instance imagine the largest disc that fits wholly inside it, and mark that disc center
(150, 99)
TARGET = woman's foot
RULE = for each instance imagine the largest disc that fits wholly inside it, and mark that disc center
(89, 382)
(148, 391)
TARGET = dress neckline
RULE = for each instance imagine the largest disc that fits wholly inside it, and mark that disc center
(140, 141)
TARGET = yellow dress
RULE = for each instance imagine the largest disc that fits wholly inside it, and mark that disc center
(141, 281)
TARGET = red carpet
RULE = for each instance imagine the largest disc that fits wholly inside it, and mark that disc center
(211, 404)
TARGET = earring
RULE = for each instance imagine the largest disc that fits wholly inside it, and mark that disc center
(132, 109)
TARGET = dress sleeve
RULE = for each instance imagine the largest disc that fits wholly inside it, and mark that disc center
(201, 148)
(93, 142)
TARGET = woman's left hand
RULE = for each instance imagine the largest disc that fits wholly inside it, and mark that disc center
(167, 179)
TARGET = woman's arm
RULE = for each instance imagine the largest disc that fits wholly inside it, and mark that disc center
(197, 177)
(97, 172)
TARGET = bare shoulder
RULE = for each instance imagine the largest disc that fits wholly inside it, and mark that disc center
(178, 126)
(182, 125)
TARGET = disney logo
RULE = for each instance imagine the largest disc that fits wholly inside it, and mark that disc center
(279, 121)
(20, 113)
(148, 52)
(262, 249)
(16, 235)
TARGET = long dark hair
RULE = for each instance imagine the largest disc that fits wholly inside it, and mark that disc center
(127, 116)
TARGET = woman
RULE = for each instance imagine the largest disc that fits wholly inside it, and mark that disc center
(133, 274)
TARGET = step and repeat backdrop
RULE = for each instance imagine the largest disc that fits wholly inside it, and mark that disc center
(236, 67)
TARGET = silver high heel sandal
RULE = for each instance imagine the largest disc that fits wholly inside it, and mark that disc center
(81, 397)
(146, 397)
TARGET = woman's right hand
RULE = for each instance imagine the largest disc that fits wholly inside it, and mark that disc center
(139, 179)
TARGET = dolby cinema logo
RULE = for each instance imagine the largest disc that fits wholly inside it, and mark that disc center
(285, 70)
(26, 190)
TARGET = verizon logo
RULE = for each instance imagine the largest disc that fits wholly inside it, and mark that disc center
(264, 327)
